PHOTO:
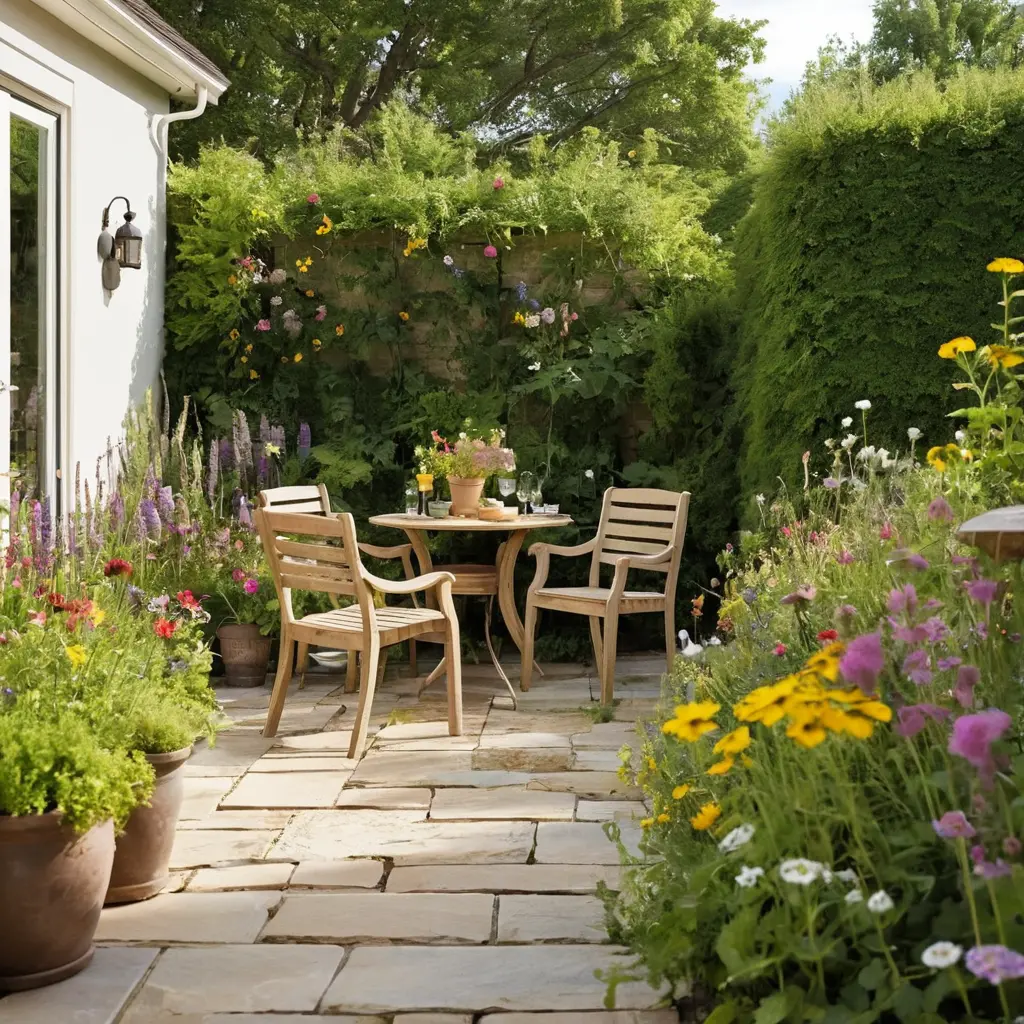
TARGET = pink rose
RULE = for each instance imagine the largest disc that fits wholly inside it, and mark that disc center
(499, 183)
(313, 198)
(238, 575)
(262, 325)
(251, 586)
(490, 252)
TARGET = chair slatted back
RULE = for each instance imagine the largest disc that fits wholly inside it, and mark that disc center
(641, 521)
(329, 562)
(308, 498)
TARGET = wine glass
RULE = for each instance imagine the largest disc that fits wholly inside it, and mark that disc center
(506, 486)
(525, 488)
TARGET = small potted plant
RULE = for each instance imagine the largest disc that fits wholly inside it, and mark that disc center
(466, 464)
(251, 614)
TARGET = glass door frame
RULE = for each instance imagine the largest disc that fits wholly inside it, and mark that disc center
(50, 236)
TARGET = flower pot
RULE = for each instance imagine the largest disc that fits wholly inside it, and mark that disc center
(144, 849)
(245, 654)
(466, 494)
(52, 882)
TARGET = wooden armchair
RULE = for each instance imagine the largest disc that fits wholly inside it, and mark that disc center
(640, 528)
(330, 563)
(313, 499)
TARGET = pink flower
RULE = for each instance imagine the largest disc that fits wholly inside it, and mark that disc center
(973, 736)
(490, 252)
(940, 509)
(909, 558)
(913, 718)
(845, 557)
(983, 591)
(1012, 846)
(801, 595)
(786, 531)
(37, 618)
(238, 575)
(845, 614)
(321, 313)
(498, 183)
(239, 545)
(945, 664)
(313, 198)
(251, 586)
(917, 667)
(954, 825)
(966, 680)
(262, 325)
(575, 316)
(985, 868)
(780, 650)
(885, 533)
(995, 964)
(863, 661)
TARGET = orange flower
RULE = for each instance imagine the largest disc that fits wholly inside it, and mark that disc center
(298, 357)
(309, 293)
(253, 375)
(232, 279)
(317, 343)
(403, 316)
(339, 330)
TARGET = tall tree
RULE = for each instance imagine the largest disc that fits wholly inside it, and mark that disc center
(503, 69)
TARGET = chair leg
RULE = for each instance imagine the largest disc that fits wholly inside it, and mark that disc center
(595, 639)
(284, 676)
(303, 664)
(611, 641)
(383, 667)
(670, 632)
(352, 673)
(526, 659)
(368, 664)
(412, 658)
(453, 664)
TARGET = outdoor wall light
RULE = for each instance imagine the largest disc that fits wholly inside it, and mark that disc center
(123, 250)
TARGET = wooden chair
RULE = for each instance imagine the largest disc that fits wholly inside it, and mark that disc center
(640, 528)
(331, 564)
(313, 499)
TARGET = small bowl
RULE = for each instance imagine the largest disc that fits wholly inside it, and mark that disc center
(548, 510)
(438, 509)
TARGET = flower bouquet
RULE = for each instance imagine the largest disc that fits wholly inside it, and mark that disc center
(466, 464)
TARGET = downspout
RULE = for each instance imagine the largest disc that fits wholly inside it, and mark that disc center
(162, 122)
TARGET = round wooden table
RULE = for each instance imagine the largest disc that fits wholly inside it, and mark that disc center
(479, 580)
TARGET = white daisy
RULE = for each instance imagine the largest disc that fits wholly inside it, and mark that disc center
(847, 875)
(880, 902)
(849, 441)
(863, 405)
(800, 871)
(739, 836)
(747, 878)
(913, 433)
(854, 896)
(941, 954)
(846, 421)
(589, 474)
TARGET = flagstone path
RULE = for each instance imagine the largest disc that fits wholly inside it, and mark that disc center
(438, 880)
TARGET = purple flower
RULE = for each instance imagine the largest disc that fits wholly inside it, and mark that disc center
(936, 630)
(940, 509)
(262, 469)
(908, 634)
(305, 437)
(973, 736)
(801, 595)
(917, 667)
(991, 870)
(227, 455)
(165, 505)
(980, 631)
(863, 661)
(830, 482)
(1012, 846)
(749, 595)
(912, 718)
(533, 304)
(903, 599)
(150, 517)
(966, 680)
(159, 604)
(251, 586)
(845, 614)
(490, 252)
(521, 291)
(845, 557)
(213, 471)
(995, 964)
(983, 591)
(244, 516)
(547, 315)
(945, 664)
(136, 595)
(970, 560)
(954, 825)
(911, 559)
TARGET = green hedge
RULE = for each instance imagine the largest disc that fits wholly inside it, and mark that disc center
(874, 212)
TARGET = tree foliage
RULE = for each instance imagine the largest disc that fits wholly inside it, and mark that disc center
(505, 70)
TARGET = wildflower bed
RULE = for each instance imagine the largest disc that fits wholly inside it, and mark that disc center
(837, 808)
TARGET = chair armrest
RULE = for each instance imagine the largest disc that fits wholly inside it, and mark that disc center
(417, 583)
(555, 549)
(640, 561)
(376, 551)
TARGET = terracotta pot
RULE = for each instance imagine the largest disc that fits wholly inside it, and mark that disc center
(245, 654)
(52, 882)
(466, 494)
(144, 849)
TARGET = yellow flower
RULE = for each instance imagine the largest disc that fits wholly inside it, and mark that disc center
(805, 728)
(692, 721)
(245, 359)
(233, 334)
(953, 348)
(298, 357)
(325, 226)
(317, 343)
(646, 822)
(631, 154)
(937, 457)
(98, 615)
(309, 293)
(339, 330)
(1000, 355)
(403, 316)
(847, 721)
(406, 251)
(76, 655)
(308, 262)
(662, 819)
(253, 375)
(680, 791)
(1004, 265)
(248, 348)
(706, 817)
(232, 279)
(765, 703)
(825, 663)
(519, 319)
(734, 742)
(652, 765)
(721, 767)
(303, 270)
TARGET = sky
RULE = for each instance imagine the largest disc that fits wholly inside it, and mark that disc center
(795, 30)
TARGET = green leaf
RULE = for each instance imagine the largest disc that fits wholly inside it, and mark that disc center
(907, 1002)
(723, 1014)
(873, 975)
(775, 1008)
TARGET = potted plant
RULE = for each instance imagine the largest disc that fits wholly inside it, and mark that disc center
(251, 615)
(61, 795)
(466, 465)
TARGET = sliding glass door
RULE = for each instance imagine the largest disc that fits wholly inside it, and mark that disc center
(28, 299)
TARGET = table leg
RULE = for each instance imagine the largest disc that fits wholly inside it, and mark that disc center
(494, 657)
(506, 566)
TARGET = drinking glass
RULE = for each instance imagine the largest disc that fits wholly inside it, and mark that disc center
(525, 488)
(506, 486)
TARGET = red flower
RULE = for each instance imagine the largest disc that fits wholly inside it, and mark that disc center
(117, 567)
(498, 183)
(828, 635)
(79, 609)
(57, 601)
(188, 601)
(780, 650)
(164, 628)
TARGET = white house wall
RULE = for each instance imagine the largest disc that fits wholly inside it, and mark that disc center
(112, 343)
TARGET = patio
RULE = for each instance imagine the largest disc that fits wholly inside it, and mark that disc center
(437, 880)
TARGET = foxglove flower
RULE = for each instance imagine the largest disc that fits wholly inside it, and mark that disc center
(213, 471)
(165, 505)
(151, 518)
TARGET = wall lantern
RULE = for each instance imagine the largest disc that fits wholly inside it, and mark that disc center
(999, 533)
(123, 250)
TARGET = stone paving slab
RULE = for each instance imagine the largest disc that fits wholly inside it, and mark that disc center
(585, 783)
(605, 735)
(433, 1018)
(202, 795)
(291, 789)
(199, 848)
(374, 798)
(329, 761)
(610, 810)
(382, 979)
(235, 979)
(241, 876)
(524, 878)
(507, 804)
(315, 742)
(551, 919)
(580, 842)
(256, 821)
(589, 1017)
(338, 874)
(522, 759)
(403, 836)
(189, 917)
(383, 917)
(596, 760)
(526, 740)
(564, 723)
(95, 996)
(410, 767)
(231, 749)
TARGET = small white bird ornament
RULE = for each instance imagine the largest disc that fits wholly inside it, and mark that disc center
(688, 647)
